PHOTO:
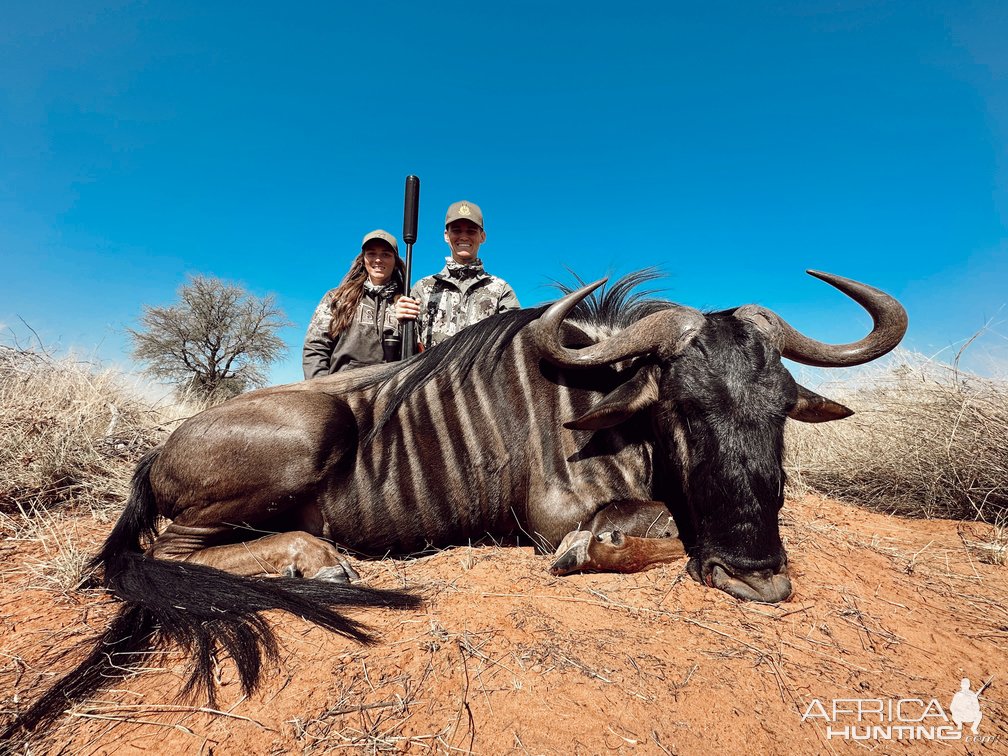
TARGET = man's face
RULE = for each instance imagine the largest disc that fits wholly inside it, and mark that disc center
(464, 238)
(379, 262)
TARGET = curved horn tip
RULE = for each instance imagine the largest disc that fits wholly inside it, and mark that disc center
(559, 309)
(840, 282)
(578, 294)
(889, 324)
(822, 275)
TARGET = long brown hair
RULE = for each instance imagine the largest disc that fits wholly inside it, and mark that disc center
(348, 294)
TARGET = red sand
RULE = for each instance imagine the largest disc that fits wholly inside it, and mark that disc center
(506, 658)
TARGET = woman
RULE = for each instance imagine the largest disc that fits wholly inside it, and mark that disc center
(347, 327)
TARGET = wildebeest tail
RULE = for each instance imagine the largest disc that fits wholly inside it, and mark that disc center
(201, 608)
(137, 523)
(196, 607)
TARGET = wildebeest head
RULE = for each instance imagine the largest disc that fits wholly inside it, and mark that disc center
(718, 396)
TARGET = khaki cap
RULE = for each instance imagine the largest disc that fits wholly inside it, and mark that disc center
(385, 236)
(464, 210)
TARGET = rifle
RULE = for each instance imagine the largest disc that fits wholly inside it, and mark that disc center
(411, 208)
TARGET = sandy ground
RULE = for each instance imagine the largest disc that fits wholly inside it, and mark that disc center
(505, 658)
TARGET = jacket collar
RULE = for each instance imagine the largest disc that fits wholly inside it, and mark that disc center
(457, 272)
(385, 291)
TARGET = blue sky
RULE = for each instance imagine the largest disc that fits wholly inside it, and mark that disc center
(733, 144)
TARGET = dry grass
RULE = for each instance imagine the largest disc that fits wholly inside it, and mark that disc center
(926, 441)
(69, 438)
(70, 433)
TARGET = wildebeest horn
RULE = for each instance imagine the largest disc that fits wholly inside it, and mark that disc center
(889, 324)
(666, 332)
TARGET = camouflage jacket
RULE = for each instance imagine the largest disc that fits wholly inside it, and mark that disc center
(458, 296)
(360, 343)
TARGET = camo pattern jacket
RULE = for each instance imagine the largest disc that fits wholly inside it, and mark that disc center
(458, 296)
(360, 343)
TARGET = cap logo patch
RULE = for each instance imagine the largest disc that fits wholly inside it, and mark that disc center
(464, 209)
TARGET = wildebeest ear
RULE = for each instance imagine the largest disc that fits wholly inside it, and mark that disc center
(813, 408)
(621, 403)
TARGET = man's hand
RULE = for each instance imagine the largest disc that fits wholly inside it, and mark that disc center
(406, 309)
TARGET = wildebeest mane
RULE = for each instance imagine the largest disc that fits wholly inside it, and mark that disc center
(617, 306)
(482, 341)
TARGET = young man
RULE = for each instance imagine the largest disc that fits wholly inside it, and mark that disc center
(462, 293)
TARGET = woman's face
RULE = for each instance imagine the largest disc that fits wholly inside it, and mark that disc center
(379, 262)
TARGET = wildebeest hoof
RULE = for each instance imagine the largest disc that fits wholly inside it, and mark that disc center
(572, 554)
(337, 573)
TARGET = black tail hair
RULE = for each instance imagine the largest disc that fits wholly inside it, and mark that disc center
(199, 608)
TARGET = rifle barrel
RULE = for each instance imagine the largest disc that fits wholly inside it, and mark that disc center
(411, 211)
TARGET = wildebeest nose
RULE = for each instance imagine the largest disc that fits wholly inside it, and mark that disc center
(765, 586)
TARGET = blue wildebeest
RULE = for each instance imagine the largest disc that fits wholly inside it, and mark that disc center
(586, 424)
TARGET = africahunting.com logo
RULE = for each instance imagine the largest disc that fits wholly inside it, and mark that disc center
(901, 718)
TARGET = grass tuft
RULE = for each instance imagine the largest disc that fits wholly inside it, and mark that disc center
(69, 433)
(926, 440)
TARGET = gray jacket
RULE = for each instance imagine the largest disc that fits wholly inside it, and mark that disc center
(360, 343)
(459, 296)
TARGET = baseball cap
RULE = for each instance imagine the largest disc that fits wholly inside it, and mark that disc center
(464, 210)
(385, 236)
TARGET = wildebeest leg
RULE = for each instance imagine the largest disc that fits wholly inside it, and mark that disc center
(295, 553)
(252, 466)
(622, 537)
